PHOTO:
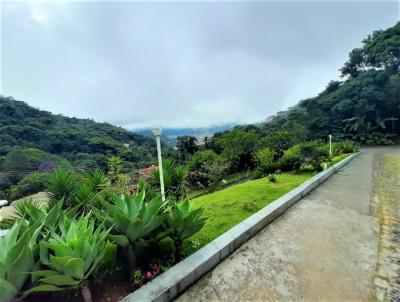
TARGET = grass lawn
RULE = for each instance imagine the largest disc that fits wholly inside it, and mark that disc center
(228, 207)
(228, 179)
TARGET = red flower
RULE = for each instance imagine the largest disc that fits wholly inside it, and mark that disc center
(157, 267)
(149, 275)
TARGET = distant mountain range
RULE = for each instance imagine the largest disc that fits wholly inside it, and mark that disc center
(198, 132)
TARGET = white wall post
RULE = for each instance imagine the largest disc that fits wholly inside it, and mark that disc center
(157, 133)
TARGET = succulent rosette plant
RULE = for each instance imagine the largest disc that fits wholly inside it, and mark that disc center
(17, 257)
(70, 257)
(132, 220)
(183, 221)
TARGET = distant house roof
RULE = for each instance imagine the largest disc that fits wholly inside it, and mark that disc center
(146, 172)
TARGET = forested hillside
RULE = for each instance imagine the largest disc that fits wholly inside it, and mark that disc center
(24, 126)
(30, 137)
(365, 106)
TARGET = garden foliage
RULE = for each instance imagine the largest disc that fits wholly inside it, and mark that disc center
(59, 246)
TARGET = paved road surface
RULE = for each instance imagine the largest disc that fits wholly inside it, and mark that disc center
(340, 243)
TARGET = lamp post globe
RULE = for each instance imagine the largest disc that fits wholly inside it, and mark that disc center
(157, 129)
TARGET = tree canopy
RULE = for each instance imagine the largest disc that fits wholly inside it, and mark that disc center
(75, 139)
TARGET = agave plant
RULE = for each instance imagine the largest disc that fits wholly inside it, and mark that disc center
(70, 257)
(61, 184)
(183, 221)
(17, 250)
(131, 220)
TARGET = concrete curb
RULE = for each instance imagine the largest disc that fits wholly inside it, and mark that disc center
(176, 280)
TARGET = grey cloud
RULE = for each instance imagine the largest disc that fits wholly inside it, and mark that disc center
(179, 63)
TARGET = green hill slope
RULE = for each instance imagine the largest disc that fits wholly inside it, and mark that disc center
(24, 126)
(29, 136)
(364, 106)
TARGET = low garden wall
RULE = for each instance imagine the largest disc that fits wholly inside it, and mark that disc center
(176, 280)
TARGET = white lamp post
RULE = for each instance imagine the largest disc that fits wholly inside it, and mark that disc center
(157, 132)
(330, 145)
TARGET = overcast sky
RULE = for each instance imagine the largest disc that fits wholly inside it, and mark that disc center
(178, 63)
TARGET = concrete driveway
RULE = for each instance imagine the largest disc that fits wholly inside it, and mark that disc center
(339, 243)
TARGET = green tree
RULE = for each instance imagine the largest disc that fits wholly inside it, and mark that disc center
(238, 146)
(187, 146)
(279, 141)
(380, 50)
(265, 160)
(206, 167)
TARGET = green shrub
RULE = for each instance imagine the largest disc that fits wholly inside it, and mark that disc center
(237, 147)
(199, 158)
(272, 177)
(291, 159)
(346, 146)
(115, 166)
(304, 155)
(206, 167)
(258, 174)
(265, 160)
(61, 184)
(376, 138)
(97, 180)
(85, 196)
(80, 191)
(30, 184)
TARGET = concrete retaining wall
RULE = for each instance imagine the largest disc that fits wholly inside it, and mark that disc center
(176, 280)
